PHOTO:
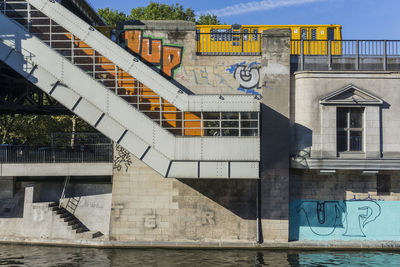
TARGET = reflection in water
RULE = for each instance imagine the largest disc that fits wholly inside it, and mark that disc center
(16, 255)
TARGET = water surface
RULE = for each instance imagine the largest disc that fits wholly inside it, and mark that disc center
(18, 255)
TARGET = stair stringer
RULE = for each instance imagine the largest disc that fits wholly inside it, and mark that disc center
(139, 70)
(63, 76)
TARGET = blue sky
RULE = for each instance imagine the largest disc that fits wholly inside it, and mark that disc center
(361, 19)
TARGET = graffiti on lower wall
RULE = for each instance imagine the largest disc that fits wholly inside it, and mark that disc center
(122, 159)
(248, 76)
(345, 220)
(153, 50)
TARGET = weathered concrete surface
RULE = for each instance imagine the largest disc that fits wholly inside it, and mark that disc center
(275, 133)
(56, 169)
(149, 208)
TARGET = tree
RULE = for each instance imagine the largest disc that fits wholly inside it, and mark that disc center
(157, 11)
(208, 19)
(111, 16)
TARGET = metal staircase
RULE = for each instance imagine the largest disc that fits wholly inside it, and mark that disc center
(177, 134)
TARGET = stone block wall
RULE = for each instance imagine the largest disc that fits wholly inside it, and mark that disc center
(148, 207)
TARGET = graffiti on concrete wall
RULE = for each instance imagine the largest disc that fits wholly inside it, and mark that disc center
(165, 56)
(355, 219)
(248, 76)
(122, 159)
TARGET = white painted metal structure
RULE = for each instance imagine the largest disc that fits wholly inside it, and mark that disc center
(169, 155)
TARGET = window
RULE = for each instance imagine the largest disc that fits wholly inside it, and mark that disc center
(331, 33)
(304, 34)
(313, 34)
(383, 184)
(349, 126)
(255, 34)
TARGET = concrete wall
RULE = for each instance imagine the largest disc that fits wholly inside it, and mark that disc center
(343, 206)
(148, 207)
(26, 214)
(198, 74)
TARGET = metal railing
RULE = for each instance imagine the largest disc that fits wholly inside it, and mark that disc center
(56, 154)
(228, 43)
(111, 75)
(350, 54)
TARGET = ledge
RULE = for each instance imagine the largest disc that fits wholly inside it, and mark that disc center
(268, 245)
(56, 169)
(345, 164)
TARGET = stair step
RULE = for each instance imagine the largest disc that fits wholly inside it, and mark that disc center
(90, 234)
(68, 219)
(61, 211)
(82, 230)
(65, 215)
(53, 204)
(76, 226)
(72, 222)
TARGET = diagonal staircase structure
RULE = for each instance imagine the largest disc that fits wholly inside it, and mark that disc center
(177, 134)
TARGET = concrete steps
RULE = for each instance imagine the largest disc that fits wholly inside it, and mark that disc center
(73, 223)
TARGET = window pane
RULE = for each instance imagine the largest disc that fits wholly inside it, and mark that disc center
(341, 117)
(304, 34)
(230, 124)
(230, 116)
(341, 141)
(249, 115)
(211, 116)
(313, 34)
(249, 124)
(249, 132)
(331, 33)
(355, 141)
(356, 117)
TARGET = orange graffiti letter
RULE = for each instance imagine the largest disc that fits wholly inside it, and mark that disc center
(171, 59)
(151, 50)
(133, 40)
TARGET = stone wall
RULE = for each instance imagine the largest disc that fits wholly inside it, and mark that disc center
(148, 207)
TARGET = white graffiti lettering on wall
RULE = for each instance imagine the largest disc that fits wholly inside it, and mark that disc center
(248, 76)
(324, 217)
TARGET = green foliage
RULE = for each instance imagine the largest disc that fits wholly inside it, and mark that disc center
(111, 16)
(157, 11)
(38, 127)
(208, 20)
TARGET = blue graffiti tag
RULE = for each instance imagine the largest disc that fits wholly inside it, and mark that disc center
(248, 76)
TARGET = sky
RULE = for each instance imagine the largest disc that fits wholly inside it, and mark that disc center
(360, 19)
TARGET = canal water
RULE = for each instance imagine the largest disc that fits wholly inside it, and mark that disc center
(17, 255)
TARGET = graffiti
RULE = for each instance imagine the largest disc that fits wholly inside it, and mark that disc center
(167, 57)
(207, 217)
(122, 159)
(248, 76)
(324, 218)
(150, 221)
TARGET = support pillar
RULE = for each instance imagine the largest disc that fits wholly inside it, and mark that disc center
(275, 135)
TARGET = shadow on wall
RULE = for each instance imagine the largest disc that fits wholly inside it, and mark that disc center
(237, 196)
(13, 207)
(276, 147)
(50, 191)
